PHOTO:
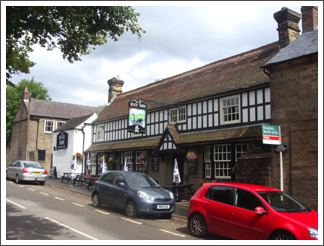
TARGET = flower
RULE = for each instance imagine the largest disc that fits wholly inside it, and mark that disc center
(100, 158)
(202, 181)
(143, 158)
(78, 155)
(253, 151)
(191, 155)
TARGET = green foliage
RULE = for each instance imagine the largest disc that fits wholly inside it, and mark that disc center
(75, 30)
(14, 97)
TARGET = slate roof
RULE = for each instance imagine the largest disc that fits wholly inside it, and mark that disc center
(44, 108)
(303, 45)
(73, 123)
(233, 73)
(183, 139)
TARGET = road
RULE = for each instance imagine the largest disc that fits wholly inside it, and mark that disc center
(36, 212)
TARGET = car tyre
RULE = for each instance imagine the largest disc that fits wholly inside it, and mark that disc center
(167, 216)
(131, 209)
(17, 179)
(282, 235)
(96, 201)
(197, 225)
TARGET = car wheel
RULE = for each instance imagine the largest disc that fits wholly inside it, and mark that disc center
(197, 225)
(96, 201)
(282, 235)
(131, 209)
(17, 179)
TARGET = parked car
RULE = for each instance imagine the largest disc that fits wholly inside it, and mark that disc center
(134, 192)
(246, 211)
(31, 171)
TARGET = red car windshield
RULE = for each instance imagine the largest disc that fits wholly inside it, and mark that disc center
(282, 202)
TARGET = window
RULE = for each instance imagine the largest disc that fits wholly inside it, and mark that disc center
(100, 132)
(219, 194)
(207, 162)
(108, 178)
(59, 123)
(141, 167)
(230, 110)
(246, 200)
(177, 115)
(41, 155)
(48, 126)
(129, 158)
(20, 153)
(222, 158)
(119, 179)
(241, 149)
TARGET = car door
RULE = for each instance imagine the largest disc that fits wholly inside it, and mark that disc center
(244, 223)
(10, 170)
(105, 188)
(119, 193)
(217, 209)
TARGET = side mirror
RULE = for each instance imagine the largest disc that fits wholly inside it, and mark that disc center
(260, 210)
(121, 184)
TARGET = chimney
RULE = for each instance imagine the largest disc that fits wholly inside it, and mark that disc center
(287, 26)
(26, 94)
(309, 18)
(115, 87)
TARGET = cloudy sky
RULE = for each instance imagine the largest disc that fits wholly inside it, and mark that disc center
(178, 38)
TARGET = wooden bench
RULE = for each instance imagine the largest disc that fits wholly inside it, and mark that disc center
(89, 182)
(66, 176)
(80, 178)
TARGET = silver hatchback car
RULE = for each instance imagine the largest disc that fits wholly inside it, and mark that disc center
(31, 171)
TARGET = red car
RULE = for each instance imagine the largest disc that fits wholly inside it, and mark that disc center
(246, 211)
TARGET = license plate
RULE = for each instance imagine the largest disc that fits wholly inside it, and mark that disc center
(163, 206)
(36, 172)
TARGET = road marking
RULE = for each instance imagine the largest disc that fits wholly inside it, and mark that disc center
(44, 193)
(21, 186)
(77, 204)
(16, 204)
(59, 198)
(136, 222)
(176, 234)
(31, 189)
(75, 230)
(102, 212)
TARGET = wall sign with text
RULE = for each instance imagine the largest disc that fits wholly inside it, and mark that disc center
(137, 116)
(62, 140)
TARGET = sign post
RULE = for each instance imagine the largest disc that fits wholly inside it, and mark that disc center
(272, 135)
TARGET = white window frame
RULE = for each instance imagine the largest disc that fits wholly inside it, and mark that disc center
(232, 102)
(129, 158)
(47, 126)
(222, 161)
(58, 122)
(178, 115)
(207, 161)
(100, 136)
(141, 167)
(243, 149)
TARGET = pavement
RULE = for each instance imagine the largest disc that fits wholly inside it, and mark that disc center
(181, 207)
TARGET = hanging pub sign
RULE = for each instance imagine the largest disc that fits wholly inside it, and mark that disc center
(62, 140)
(137, 116)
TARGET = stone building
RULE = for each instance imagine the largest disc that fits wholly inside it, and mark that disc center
(294, 106)
(32, 127)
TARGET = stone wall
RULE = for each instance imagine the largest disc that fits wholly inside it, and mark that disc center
(254, 169)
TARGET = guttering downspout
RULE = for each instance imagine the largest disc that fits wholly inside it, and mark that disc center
(82, 129)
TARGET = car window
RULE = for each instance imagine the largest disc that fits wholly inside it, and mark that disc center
(119, 179)
(219, 194)
(109, 178)
(247, 200)
(32, 165)
(16, 164)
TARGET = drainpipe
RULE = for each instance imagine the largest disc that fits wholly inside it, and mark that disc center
(82, 129)
(28, 116)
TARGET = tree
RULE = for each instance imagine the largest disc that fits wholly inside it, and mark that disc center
(75, 30)
(14, 97)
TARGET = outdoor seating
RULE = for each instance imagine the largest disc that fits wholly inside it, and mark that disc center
(180, 191)
(80, 178)
(66, 176)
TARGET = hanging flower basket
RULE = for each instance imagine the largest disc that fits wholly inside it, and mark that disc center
(143, 158)
(110, 163)
(78, 155)
(191, 156)
(254, 151)
(100, 159)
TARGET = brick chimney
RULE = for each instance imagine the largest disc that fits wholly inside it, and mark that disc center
(309, 18)
(115, 87)
(26, 94)
(287, 26)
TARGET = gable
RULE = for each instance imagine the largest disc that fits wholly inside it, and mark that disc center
(22, 113)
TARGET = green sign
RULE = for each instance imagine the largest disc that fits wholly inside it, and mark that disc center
(271, 134)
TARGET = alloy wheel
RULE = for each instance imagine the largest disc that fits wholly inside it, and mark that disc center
(96, 201)
(131, 209)
(197, 225)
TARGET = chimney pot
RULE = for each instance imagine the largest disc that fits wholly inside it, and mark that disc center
(118, 77)
(115, 87)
